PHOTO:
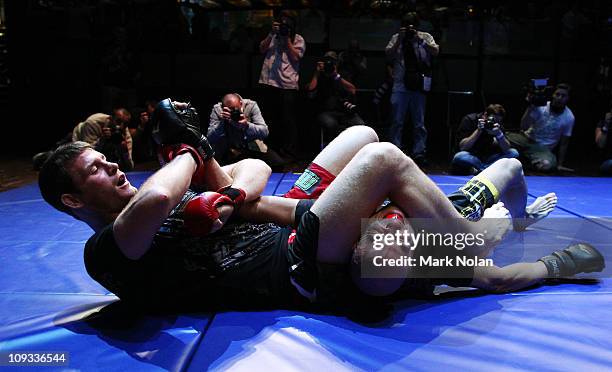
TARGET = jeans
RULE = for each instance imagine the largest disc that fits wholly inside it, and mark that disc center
(463, 161)
(414, 103)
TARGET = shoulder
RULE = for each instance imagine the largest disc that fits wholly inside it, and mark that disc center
(101, 252)
(217, 107)
(568, 114)
(425, 36)
(249, 102)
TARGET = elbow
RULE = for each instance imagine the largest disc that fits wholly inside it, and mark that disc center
(159, 199)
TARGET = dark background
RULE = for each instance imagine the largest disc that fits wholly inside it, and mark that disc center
(64, 60)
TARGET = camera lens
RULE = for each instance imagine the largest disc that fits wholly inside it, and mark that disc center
(235, 114)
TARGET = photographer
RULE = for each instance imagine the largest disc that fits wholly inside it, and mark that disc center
(283, 48)
(481, 141)
(109, 135)
(352, 63)
(544, 128)
(333, 97)
(601, 139)
(236, 131)
(410, 52)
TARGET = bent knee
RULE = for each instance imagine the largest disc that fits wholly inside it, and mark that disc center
(364, 132)
(511, 166)
(384, 154)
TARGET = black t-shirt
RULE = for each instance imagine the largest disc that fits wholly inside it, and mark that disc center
(485, 145)
(243, 264)
(330, 94)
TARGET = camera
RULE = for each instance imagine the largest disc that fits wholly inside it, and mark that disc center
(235, 114)
(410, 33)
(284, 29)
(539, 92)
(116, 137)
(328, 65)
(489, 122)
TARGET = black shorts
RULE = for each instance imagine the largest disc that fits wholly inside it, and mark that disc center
(302, 250)
(471, 199)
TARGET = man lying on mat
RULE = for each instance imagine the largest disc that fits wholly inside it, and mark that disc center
(169, 244)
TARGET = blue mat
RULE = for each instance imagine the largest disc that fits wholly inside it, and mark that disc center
(48, 303)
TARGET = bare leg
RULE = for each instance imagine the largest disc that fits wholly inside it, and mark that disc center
(507, 176)
(280, 211)
(341, 150)
(509, 278)
(377, 171)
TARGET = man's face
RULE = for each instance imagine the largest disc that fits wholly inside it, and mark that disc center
(560, 98)
(103, 187)
(233, 104)
(122, 118)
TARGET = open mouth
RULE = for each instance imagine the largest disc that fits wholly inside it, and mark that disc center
(122, 180)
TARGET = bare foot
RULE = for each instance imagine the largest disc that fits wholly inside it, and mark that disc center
(537, 210)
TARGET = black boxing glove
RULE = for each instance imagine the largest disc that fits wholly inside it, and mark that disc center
(236, 195)
(575, 259)
(171, 125)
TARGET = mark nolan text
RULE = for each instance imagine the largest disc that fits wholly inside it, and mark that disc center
(430, 261)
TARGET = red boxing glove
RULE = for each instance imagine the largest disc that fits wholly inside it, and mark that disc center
(168, 152)
(201, 212)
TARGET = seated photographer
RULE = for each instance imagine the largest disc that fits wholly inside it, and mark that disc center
(481, 141)
(108, 137)
(236, 131)
(333, 96)
(601, 139)
(545, 126)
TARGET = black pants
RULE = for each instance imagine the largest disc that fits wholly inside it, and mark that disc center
(279, 109)
(334, 122)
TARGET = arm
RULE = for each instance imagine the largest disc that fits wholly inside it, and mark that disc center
(136, 225)
(509, 278)
(257, 127)
(429, 43)
(601, 138)
(312, 86)
(467, 143)
(503, 142)
(346, 85)
(295, 50)
(392, 48)
(264, 45)
(601, 132)
(466, 124)
(500, 138)
(527, 120)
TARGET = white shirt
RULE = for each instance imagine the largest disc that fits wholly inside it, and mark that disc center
(278, 69)
(547, 127)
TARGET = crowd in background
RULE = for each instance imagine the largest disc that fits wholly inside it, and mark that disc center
(266, 125)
